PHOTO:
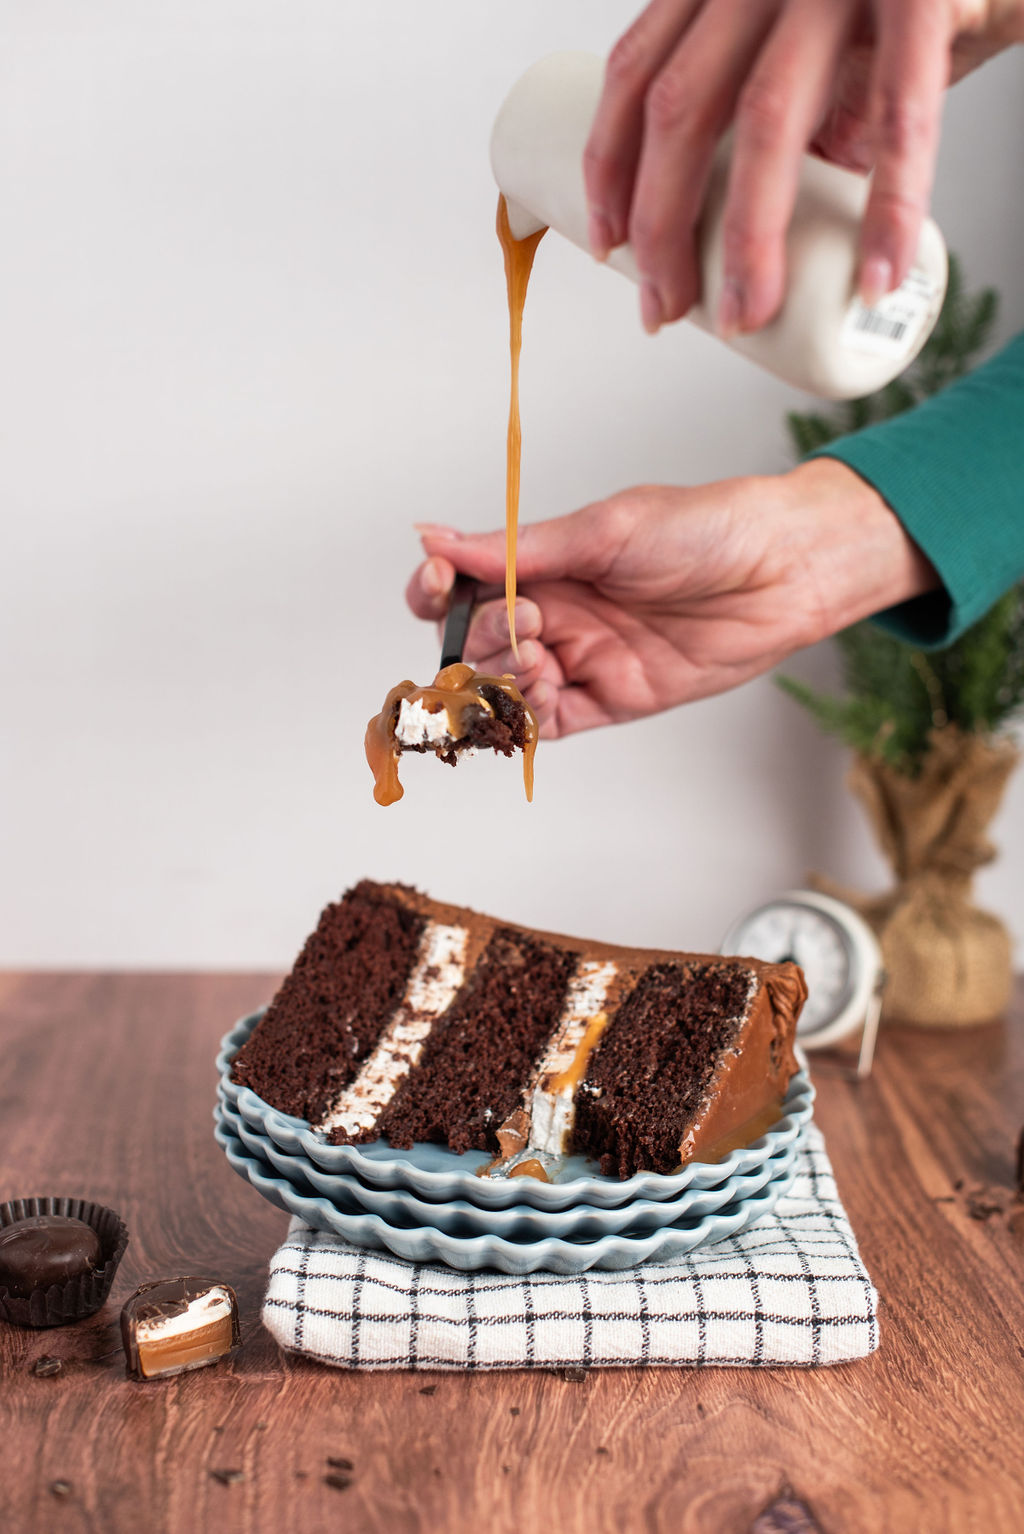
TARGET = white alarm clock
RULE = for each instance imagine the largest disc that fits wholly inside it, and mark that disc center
(839, 955)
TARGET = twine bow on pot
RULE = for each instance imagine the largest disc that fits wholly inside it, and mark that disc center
(948, 963)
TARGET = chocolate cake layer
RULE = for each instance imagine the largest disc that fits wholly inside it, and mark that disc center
(348, 979)
(507, 729)
(474, 1064)
(649, 1074)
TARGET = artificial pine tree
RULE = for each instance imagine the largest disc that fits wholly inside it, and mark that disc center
(931, 765)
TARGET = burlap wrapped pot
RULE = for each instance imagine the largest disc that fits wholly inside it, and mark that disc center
(948, 964)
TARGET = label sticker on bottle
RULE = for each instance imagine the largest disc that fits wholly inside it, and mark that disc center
(890, 327)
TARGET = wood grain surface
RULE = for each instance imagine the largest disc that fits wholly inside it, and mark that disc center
(106, 1092)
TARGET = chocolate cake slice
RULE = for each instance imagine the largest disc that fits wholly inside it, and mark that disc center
(409, 1020)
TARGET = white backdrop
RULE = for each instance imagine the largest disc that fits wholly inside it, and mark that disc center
(252, 326)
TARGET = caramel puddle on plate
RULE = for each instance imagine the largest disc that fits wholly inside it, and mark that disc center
(518, 256)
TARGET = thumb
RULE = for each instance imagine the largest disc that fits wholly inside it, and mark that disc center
(580, 546)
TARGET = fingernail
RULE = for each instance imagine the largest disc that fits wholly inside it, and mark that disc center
(859, 152)
(875, 279)
(651, 313)
(436, 530)
(509, 664)
(599, 233)
(432, 580)
(730, 308)
(521, 614)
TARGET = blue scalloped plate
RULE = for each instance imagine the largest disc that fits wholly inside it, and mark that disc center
(554, 1255)
(435, 1173)
(519, 1222)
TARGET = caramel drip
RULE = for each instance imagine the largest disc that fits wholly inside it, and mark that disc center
(458, 691)
(512, 1135)
(570, 1078)
(519, 256)
(531, 1168)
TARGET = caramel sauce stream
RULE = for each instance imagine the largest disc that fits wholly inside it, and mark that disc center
(457, 689)
(518, 256)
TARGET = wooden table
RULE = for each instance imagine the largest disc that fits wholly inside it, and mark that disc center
(106, 1090)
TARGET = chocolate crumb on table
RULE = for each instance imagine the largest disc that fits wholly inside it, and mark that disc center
(228, 1477)
(982, 1204)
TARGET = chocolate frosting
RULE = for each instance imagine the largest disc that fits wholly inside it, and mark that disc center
(754, 1075)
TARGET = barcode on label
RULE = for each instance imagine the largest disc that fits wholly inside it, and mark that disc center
(893, 325)
(880, 325)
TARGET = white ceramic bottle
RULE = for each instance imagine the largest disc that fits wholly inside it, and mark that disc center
(823, 339)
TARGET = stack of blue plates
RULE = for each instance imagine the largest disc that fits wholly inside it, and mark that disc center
(428, 1204)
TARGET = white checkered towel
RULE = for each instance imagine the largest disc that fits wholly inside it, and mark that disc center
(790, 1290)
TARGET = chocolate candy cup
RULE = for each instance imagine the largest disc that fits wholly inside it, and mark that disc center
(76, 1298)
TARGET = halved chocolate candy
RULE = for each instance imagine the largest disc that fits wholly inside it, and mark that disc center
(174, 1324)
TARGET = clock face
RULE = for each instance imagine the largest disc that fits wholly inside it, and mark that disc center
(811, 938)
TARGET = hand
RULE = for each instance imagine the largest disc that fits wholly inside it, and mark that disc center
(859, 81)
(660, 595)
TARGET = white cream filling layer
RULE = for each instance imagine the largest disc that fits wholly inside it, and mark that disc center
(416, 725)
(552, 1112)
(439, 972)
(209, 1307)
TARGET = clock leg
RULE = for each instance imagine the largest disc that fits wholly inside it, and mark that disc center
(870, 1033)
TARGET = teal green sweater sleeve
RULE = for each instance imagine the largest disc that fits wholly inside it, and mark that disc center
(953, 472)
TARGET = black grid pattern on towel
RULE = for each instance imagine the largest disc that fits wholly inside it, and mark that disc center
(790, 1291)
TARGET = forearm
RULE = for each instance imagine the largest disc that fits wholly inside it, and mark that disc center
(953, 472)
(855, 556)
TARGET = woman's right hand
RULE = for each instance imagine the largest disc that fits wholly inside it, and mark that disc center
(662, 594)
